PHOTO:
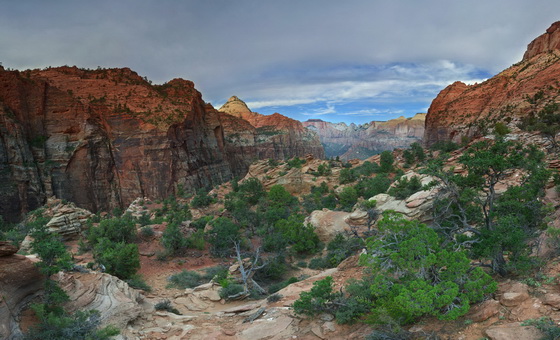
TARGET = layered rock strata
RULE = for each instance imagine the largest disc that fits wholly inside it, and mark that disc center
(362, 141)
(101, 138)
(269, 136)
(463, 111)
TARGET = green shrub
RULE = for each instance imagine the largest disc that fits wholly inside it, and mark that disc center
(196, 240)
(386, 162)
(320, 299)
(546, 325)
(295, 163)
(348, 198)
(418, 151)
(302, 264)
(404, 187)
(185, 279)
(120, 259)
(501, 129)
(230, 290)
(138, 282)
(251, 191)
(342, 247)
(408, 157)
(274, 269)
(274, 298)
(201, 199)
(366, 169)
(116, 229)
(444, 146)
(318, 263)
(414, 276)
(201, 223)
(80, 325)
(147, 232)
(324, 169)
(346, 176)
(144, 219)
(222, 236)
(217, 273)
(173, 239)
(301, 236)
(281, 285)
(167, 306)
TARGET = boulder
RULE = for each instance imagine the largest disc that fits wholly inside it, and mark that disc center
(484, 311)
(514, 294)
(117, 303)
(6, 248)
(552, 299)
(513, 331)
(192, 302)
(328, 223)
(266, 328)
(67, 219)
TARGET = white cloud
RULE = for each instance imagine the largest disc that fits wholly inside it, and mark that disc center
(280, 53)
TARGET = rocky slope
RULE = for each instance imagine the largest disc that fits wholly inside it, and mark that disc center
(273, 136)
(362, 141)
(101, 138)
(461, 111)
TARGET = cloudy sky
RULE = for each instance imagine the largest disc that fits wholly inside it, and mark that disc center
(352, 60)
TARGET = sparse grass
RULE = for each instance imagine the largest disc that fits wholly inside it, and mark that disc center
(166, 306)
(138, 282)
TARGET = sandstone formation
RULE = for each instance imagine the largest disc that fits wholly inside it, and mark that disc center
(66, 220)
(328, 223)
(464, 111)
(417, 206)
(20, 283)
(117, 303)
(362, 141)
(101, 138)
(273, 136)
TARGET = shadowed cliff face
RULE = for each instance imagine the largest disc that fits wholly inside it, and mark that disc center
(362, 141)
(463, 111)
(273, 136)
(102, 138)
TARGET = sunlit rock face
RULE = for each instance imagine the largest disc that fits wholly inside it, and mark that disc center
(463, 111)
(267, 136)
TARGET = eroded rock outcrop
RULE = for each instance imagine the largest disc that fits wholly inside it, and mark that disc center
(20, 283)
(464, 111)
(362, 141)
(117, 303)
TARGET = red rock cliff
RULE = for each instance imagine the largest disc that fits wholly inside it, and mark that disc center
(274, 136)
(472, 110)
(102, 138)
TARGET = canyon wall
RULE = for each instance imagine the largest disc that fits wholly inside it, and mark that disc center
(364, 140)
(463, 111)
(274, 136)
(101, 138)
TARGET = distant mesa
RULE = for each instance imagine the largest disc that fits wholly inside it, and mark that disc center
(365, 140)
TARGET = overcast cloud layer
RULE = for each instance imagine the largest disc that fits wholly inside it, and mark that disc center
(353, 61)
